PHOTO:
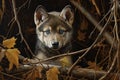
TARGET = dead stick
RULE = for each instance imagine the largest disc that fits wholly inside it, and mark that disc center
(108, 37)
(11, 76)
(95, 23)
(54, 57)
(77, 73)
(19, 26)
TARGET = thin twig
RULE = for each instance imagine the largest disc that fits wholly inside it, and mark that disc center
(108, 37)
(11, 26)
(108, 72)
(13, 19)
(116, 57)
(99, 23)
(2, 10)
(23, 5)
(19, 27)
(11, 76)
(61, 55)
(16, 19)
(116, 32)
(93, 21)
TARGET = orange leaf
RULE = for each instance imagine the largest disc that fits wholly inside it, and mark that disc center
(52, 74)
(9, 43)
(93, 65)
(38, 72)
(12, 56)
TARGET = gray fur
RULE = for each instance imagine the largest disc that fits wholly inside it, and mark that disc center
(53, 21)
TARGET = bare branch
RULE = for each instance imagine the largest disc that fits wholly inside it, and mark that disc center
(108, 37)
(100, 28)
(11, 76)
(19, 27)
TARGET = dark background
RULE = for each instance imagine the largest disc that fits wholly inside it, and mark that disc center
(26, 14)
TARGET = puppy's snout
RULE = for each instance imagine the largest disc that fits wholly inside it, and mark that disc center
(55, 45)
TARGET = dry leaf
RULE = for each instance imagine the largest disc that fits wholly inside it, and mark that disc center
(52, 74)
(34, 74)
(2, 54)
(81, 36)
(65, 61)
(28, 76)
(38, 72)
(97, 9)
(84, 24)
(93, 65)
(12, 56)
(9, 43)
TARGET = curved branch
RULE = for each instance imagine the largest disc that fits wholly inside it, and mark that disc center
(108, 37)
(19, 27)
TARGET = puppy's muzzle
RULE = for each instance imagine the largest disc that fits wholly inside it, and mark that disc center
(55, 45)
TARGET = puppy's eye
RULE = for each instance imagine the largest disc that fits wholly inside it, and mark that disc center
(61, 31)
(47, 32)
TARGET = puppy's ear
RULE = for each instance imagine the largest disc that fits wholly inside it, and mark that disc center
(67, 14)
(40, 14)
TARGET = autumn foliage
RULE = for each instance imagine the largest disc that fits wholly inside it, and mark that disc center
(10, 53)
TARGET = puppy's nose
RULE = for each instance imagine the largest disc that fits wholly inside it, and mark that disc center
(55, 45)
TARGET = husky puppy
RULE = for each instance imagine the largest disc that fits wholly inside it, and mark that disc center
(54, 32)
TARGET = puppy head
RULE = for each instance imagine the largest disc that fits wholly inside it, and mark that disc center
(53, 30)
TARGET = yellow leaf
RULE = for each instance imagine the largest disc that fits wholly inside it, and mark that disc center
(12, 56)
(65, 61)
(52, 74)
(9, 43)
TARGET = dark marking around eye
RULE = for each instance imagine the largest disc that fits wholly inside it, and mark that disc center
(47, 32)
(61, 31)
